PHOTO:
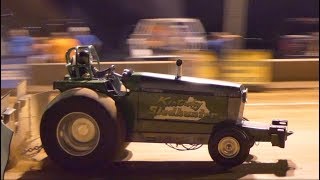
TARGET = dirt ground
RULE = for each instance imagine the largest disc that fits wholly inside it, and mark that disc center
(298, 160)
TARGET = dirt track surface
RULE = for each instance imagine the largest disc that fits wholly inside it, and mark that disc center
(299, 160)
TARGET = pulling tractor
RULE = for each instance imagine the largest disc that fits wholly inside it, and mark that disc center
(98, 113)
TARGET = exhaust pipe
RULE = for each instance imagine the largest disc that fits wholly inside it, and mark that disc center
(179, 68)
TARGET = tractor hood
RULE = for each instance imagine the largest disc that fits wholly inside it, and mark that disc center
(154, 82)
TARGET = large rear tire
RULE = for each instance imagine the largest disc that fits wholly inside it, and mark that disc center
(229, 147)
(79, 132)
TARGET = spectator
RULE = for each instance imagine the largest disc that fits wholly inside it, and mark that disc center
(222, 41)
(19, 43)
(83, 35)
(41, 51)
(59, 44)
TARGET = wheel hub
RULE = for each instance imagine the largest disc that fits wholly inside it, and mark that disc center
(228, 147)
(83, 130)
(78, 133)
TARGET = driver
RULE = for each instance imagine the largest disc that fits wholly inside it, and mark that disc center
(84, 59)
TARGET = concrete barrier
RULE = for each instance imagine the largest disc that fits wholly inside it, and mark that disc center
(295, 69)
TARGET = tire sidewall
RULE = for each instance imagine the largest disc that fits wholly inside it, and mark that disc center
(237, 134)
(109, 142)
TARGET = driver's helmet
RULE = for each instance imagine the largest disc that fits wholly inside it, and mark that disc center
(84, 58)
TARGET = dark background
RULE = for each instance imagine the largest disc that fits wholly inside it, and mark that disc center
(113, 20)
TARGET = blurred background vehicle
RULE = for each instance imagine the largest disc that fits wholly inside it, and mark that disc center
(300, 38)
(166, 35)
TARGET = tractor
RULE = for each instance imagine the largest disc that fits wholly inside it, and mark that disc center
(99, 112)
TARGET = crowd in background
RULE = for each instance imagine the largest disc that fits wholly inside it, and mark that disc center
(19, 43)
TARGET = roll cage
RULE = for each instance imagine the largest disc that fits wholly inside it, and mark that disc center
(72, 65)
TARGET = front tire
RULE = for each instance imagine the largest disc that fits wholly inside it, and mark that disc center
(78, 132)
(229, 147)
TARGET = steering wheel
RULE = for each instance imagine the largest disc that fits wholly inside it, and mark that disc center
(115, 79)
(110, 72)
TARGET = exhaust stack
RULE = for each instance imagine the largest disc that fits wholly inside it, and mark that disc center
(179, 68)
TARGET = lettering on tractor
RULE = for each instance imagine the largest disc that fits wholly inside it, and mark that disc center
(98, 112)
(190, 109)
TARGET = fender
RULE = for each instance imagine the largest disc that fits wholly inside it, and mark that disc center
(99, 97)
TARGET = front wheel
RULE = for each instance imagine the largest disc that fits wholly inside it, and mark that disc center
(229, 147)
